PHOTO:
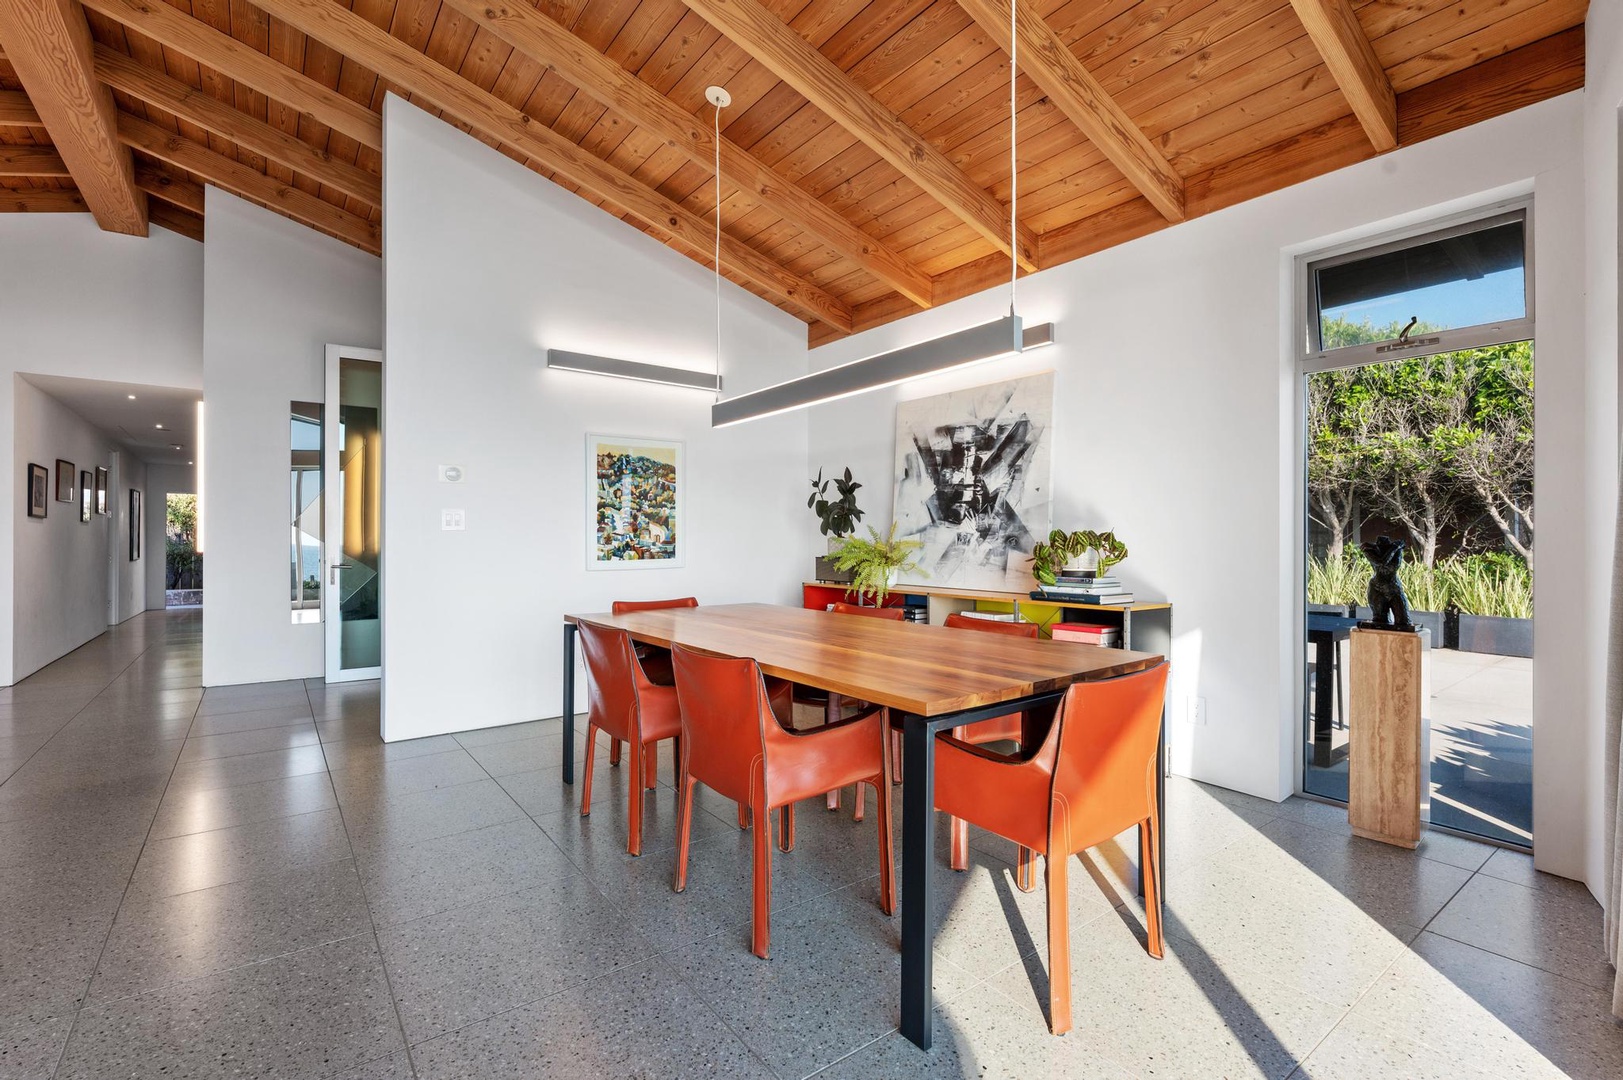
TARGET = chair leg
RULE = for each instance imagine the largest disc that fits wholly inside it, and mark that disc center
(786, 827)
(960, 844)
(634, 834)
(1149, 861)
(887, 866)
(743, 816)
(831, 713)
(684, 828)
(1025, 870)
(862, 803)
(650, 766)
(761, 895)
(1059, 945)
(895, 755)
(614, 752)
(586, 780)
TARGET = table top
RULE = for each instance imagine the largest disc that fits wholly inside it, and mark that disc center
(926, 670)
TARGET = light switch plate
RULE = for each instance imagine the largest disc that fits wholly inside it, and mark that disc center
(451, 474)
(453, 520)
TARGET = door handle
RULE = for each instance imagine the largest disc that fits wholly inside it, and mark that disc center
(337, 566)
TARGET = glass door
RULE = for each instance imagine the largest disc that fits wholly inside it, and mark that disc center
(353, 454)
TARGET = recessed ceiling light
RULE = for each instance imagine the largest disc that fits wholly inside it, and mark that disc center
(130, 396)
(158, 426)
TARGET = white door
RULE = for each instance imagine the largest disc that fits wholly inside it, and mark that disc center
(352, 466)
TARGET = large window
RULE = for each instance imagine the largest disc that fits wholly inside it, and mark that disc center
(1463, 286)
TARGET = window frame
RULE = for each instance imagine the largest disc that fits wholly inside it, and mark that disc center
(1311, 357)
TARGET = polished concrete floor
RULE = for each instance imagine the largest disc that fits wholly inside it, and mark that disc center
(247, 883)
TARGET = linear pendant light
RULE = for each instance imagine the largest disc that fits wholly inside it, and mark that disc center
(976, 345)
(632, 369)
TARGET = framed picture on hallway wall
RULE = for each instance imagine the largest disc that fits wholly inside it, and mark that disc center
(101, 491)
(87, 493)
(64, 480)
(135, 525)
(634, 492)
(38, 479)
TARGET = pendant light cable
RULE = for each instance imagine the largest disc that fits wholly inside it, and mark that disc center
(1014, 165)
(717, 141)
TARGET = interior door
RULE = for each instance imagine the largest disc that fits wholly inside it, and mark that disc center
(352, 457)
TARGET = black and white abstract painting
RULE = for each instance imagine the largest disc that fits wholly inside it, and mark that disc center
(972, 482)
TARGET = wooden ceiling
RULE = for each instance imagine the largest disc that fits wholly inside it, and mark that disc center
(865, 156)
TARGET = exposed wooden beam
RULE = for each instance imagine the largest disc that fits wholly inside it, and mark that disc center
(247, 65)
(251, 184)
(776, 46)
(173, 189)
(415, 73)
(177, 220)
(17, 111)
(1547, 68)
(48, 44)
(541, 38)
(41, 202)
(1346, 50)
(124, 73)
(1047, 61)
(33, 161)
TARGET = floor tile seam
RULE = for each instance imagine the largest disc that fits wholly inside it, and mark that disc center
(1522, 963)
(1072, 1041)
(224, 970)
(1453, 896)
(123, 897)
(421, 757)
(1336, 831)
(241, 753)
(244, 824)
(1291, 988)
(306, 866)
(822, 1069)
(375, 853)
(366, 901)
(695, 993)
(189, 790)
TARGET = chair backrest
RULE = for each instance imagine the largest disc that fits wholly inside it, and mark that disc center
(620, 607)
(956, 621)
(895, 614)
(725, 711)
(1104, 769)
(613, 678)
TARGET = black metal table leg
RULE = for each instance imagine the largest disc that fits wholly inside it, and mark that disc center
(918, 903)
(568, 711)
(1324, 645)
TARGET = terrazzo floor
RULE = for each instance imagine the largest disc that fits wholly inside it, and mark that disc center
(246, 882)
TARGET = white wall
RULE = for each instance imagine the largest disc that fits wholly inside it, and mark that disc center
(88, 304)
(61, 563)
(162, 481)
(1176, 425)
(275, 294)
(488, 266)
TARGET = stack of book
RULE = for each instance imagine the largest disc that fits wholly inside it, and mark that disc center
(1087, 633)
(1082, 587)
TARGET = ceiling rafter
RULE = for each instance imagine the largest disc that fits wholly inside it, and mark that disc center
(405, 67)
(1347, 52)
(42, 202)
(251, 184)
(38, 161)
(50, 50)
(17, 111)
(162, 183)
(247, 65)
(123, 73)
(1046, 60)
(177, 220)
(778, 48)
(542, 39)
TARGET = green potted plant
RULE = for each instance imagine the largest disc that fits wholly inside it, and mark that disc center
(875, 562)
(837, 518)
(1063, 548)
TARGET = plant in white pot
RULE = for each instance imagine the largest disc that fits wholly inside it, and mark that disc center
(874, 563)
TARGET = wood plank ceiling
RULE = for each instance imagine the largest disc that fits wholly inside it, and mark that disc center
(865, 157)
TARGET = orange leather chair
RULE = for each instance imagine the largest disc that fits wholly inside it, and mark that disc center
(1093, 776)
(835, 703)
(735, 742)
(656, 664)
(622, 701)
(1007, 728)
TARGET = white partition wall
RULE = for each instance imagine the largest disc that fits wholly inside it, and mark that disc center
(274, 295)
(489, 265)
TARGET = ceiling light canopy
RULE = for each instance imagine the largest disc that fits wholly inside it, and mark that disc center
(632, 369)
(988, 341)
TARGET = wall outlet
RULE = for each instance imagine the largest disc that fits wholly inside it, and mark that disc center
(453, 521)
(1196, 711)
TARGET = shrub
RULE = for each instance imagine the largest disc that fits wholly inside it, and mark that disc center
(1497, 583)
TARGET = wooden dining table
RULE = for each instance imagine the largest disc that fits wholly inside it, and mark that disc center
(931, 677)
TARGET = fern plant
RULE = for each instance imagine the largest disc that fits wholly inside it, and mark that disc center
(875, 561)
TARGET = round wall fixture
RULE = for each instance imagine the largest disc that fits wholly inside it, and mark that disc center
(718, 96)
